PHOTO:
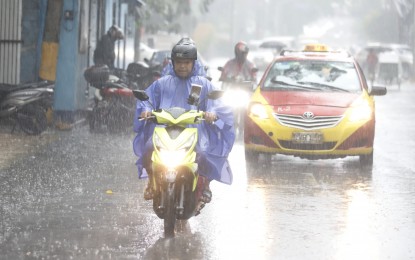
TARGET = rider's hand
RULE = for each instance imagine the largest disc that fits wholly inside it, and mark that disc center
(145, 114)
(210, 117)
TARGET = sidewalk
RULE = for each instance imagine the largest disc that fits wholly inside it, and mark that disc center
(16, 144)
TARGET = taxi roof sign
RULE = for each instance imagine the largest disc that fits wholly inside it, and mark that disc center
(316, 47)
(316, 50)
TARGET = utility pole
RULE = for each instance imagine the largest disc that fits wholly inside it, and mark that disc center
(138, 4)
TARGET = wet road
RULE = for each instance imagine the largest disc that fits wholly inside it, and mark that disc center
(75, 195)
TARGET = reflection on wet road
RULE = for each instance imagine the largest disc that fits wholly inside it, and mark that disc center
(55, 203)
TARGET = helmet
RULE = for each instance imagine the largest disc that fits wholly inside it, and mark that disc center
(241, 50)
(186, 39)
(184, 49)
(116, 32)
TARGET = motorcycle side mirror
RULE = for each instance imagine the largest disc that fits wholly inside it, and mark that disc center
(378, 91)
(220, 68)
(254, 70)
(215, 94)
(140, 95)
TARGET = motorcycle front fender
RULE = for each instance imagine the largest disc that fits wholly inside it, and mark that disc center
(20, 101)
(10, 110)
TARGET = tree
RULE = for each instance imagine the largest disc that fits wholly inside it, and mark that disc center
(165, 14)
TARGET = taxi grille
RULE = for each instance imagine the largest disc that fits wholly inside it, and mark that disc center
(318, 122)
(307, 147)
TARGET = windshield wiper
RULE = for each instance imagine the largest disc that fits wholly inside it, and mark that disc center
(293, 85)
(326, 86)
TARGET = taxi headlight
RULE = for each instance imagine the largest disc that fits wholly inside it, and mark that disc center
(360, 112)
(259, 110)
(236, 98)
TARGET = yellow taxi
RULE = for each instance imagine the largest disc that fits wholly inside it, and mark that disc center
(314, 104)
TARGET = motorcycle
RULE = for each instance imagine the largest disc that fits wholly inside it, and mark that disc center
(176, 183)
(114, 103)
(28, 105)
(141, 75)
(237, 94)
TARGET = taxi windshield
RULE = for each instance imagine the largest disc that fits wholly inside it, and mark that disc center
(313, 75)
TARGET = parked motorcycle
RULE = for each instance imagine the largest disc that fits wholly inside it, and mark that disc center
(28, 105)
(114, 103)
(176, 183)
(141, 75)
(237, 94)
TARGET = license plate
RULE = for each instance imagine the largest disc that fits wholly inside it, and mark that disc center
(307, 138)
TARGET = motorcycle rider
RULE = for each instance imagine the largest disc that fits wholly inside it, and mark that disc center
(104, 53)
(216, 134)
(239, 66)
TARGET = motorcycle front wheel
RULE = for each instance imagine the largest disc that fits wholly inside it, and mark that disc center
(170, 211)
(32, 119)
(239, 123)
(97, 119)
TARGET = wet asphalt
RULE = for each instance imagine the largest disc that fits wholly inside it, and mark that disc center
(76, 195)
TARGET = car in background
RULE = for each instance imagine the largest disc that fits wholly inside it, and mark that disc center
(161, 58)
(145, 52)
(403, 54)
(261, 57)
(312, 104)
(263, 52)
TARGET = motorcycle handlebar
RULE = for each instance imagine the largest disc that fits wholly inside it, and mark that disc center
(152, 117)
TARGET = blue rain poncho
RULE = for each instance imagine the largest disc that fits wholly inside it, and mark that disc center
(215, 140)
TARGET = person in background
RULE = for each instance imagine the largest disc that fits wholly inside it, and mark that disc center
(239, 68)
(372, 63)
(104, 53)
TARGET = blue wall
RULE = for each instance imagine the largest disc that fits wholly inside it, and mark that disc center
(70, 85)
(33, 19)
(69, 90)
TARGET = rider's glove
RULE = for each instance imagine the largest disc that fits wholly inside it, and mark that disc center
(210, 117)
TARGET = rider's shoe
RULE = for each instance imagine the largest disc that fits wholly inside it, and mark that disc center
(206, 194)
(148, 192)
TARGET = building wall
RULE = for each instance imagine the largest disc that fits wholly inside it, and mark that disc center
(32, 31)
(58, 41)
(10, 41)
(67, 67)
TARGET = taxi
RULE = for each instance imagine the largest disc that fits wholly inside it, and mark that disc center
(313, 104)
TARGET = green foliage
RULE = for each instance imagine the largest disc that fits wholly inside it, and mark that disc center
(165, 14)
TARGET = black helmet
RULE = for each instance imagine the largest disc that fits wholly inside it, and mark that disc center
(186, 39)
(116, 32)
(241, 50)
(184, 49)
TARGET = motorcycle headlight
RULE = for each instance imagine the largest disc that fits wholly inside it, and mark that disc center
(173, 156)
(236, 98)
(360, 111)
(259, 110)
